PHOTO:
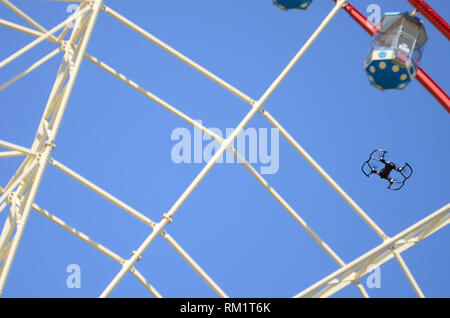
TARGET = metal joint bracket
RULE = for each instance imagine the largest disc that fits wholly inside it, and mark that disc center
(13, 199)
(333, 282)
(344, 3)
(40, 160)
(139, 258)
(356, 281)
(67, 48)
(230, 148)
(351, 278)
(51, 144)
(167, 217)
(262, 110)
(393, 248)
(69, 53)
(259, 107)
(92, 4)
(64, 46)
(50, 135)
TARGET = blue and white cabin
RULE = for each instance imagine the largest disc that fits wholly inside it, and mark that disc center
(292, 4)
(396, 51)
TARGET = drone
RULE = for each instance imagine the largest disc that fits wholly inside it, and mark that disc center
(395, 175)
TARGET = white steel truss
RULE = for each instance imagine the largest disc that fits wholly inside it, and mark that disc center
(20, 192)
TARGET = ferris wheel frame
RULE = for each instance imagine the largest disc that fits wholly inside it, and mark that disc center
(21, 190)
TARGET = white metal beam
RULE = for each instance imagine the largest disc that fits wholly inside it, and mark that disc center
(178, 55)
(49, 145)
(377, 256)
(31, 68)
(26, 30)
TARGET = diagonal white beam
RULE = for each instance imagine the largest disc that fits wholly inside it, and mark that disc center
(41, 38)
(26, 30)
(31, 68)
(7, 154)
(11, 146)
(114, 200)
(167, 218)
(178, 55)
(194, 265)
(380, 254)
(408, 274)
(97, 246)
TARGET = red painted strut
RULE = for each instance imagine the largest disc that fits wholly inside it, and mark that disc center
(360, 19)
(433, 88)
(421, 76)
(432, 16)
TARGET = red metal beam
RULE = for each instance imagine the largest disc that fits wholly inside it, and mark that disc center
(433, 88)
(360, 19)
(423, 78)
(432, 16)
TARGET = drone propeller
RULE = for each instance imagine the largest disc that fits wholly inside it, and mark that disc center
(369, 168)
(395, 185)
(378, 154)
(376, 165)
(406, 171)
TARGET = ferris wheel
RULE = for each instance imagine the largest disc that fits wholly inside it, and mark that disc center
(393, 63)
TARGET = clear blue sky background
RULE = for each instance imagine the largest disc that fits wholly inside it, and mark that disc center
(230, 225)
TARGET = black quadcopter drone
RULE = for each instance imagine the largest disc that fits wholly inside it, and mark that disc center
(395, 175)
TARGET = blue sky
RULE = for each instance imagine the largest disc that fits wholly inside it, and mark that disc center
(230, 225)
